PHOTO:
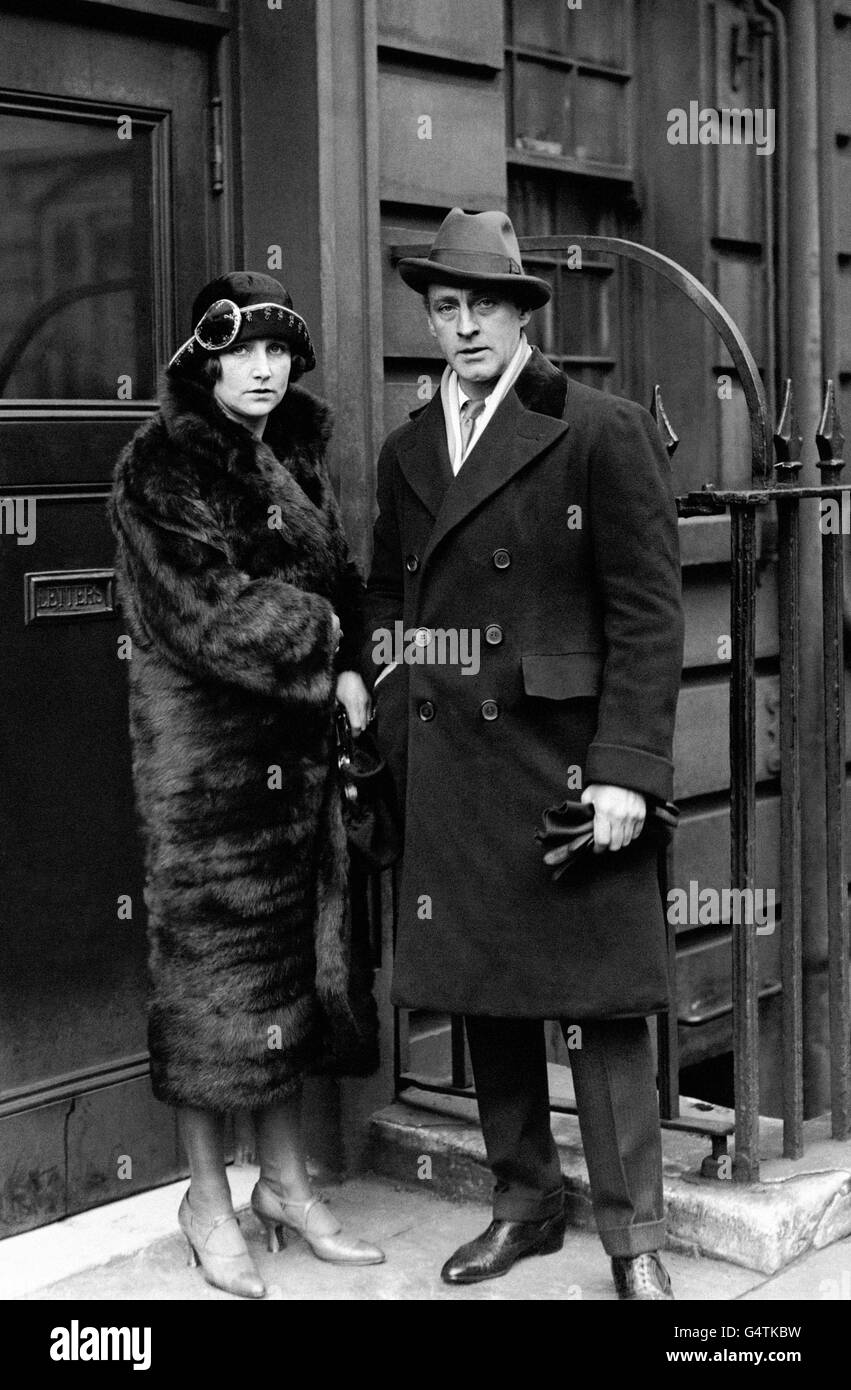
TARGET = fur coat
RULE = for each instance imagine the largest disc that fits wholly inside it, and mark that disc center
(231, 562)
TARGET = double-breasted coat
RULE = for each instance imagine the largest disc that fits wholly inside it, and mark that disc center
(557, 544)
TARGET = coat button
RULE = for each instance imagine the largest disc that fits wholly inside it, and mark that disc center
(493, 634)
(426, 710)
(423, 636)
(490, 710)
(501, 559)
(412, 563)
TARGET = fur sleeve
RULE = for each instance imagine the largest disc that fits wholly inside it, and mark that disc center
(192, 603)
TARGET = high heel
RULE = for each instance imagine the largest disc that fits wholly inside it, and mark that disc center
(276, 1240)
(234, 1273)
(277, 1214)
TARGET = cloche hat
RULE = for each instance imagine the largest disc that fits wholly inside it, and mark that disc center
(481, 248)
(239, 306)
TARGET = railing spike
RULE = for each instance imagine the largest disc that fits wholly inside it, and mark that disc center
(670, 438)
(830, 441)
(788, 440)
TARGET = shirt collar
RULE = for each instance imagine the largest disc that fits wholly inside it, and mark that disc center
(523, 348)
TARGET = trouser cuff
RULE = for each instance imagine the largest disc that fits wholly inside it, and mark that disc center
(634, 1240)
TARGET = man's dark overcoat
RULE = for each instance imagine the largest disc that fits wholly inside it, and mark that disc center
(231, 562)
(557, 541)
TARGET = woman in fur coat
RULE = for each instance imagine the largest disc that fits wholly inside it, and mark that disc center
(244, 613)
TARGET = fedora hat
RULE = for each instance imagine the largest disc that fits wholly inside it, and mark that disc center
(239, 306)
(477, 248)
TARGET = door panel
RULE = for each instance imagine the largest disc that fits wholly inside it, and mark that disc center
(47, 448)
(104, 239)
(68, 842)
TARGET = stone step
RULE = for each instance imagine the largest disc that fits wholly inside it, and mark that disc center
(796, 1207)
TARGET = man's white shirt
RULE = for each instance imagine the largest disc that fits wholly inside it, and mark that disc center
(453, 397)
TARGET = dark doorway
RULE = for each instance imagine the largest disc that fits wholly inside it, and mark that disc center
(107, 227)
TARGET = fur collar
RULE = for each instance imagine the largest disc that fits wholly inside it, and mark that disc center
(178, 456)
(195, 424)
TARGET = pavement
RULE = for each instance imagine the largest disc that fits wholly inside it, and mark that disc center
(798, 1205)
(131, 1250)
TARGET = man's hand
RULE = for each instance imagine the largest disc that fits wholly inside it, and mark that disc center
(354, 696)
(618, 815)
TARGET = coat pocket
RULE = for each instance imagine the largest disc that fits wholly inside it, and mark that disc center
(563, 675)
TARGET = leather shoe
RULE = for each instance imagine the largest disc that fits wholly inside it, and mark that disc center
(641, 1277)
(499, 1247)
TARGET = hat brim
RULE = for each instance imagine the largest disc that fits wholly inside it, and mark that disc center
(293, 332)
(419, 273)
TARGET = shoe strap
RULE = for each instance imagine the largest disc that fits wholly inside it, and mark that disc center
(205, 1228)
(221, 1220)
(216, 1221)
(307, 1207)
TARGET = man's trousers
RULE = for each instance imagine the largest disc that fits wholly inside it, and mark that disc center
(615, 1084)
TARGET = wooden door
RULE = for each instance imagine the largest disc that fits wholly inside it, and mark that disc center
(107, 231)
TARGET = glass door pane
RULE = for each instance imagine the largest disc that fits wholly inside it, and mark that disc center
(75, 258)
(542, 99)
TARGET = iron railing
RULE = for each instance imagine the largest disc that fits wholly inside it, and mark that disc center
(743, 504)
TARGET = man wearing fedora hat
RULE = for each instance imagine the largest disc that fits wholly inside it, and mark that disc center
(526, 507)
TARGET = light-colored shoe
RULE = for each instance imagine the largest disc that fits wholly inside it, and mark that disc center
(276, 1214)
(223, 1263)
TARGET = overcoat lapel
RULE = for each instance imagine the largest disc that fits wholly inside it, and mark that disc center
(513, 439)
(525, 425)
(424, 456)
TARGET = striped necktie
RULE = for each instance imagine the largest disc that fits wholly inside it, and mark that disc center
(470, 412)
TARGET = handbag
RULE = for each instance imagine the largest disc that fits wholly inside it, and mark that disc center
(370, 809)
(571, 826)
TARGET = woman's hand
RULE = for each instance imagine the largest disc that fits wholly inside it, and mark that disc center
(354, 696)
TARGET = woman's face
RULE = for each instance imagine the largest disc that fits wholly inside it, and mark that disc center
(254, 378)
